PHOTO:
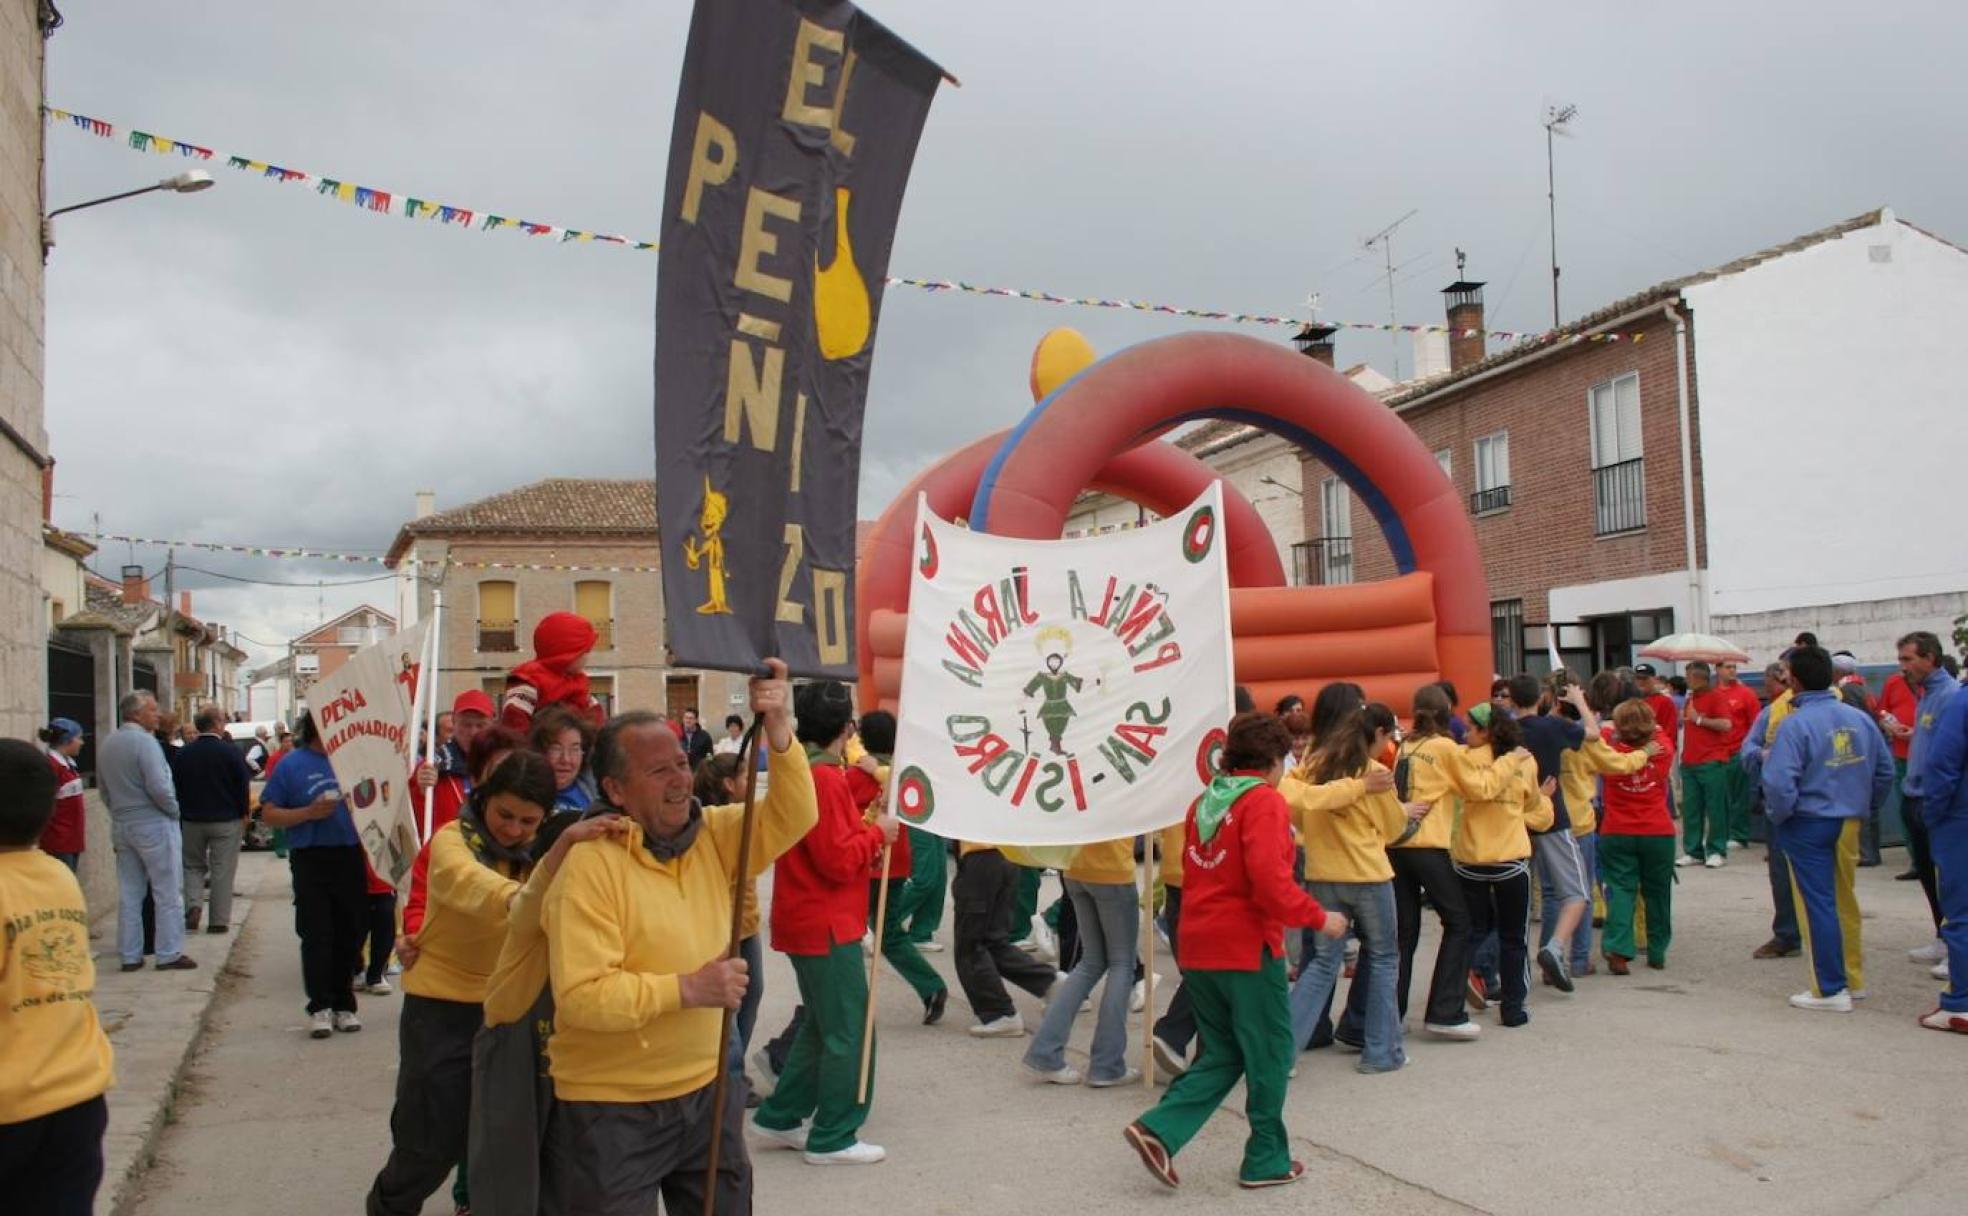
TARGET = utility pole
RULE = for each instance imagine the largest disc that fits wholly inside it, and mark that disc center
(1385, 240)
(1555, 118)
(171, 622)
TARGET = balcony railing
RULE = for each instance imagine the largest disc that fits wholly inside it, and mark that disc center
(498, 637)
(1325, 562)
(1496, 498)
(1620, 495)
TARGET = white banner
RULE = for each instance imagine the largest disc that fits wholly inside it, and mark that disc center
(365, 712)
(1063, 692)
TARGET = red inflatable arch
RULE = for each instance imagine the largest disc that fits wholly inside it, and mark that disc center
(1431, 622)
(1159, 476)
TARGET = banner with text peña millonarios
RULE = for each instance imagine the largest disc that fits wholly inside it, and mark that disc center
(796, 124)
(365, 711)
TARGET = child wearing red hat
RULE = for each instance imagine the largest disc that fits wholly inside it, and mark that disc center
(555, 675)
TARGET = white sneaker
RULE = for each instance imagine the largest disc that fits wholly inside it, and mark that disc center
(1939, 970)
(1461, 1030)
(1689, 860)
(1139, 997)
(930, 947)
(347, 1022)
(1941, 1019)
(379, 988)
(323, 1025)
(1172, 1062)
(764, 1080)
(1859, 994)
(1734, 845)
(857, 1153)
(1716, 862)
(1130, 1076)
(1063, 1075)
(791, 1137)
(1837, 1002)
(1011, 1027)
(1045, 944)
(1933, 952)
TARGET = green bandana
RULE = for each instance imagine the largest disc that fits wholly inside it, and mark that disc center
(1217, 799)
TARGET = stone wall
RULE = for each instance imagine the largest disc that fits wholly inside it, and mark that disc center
(1867, 628)
(23, 639)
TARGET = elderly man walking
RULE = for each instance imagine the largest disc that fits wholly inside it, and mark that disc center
(637, 928)
(214, 787)
(143, 818)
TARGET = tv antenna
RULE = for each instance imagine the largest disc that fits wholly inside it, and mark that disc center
(1555, 119)
(1384, 241)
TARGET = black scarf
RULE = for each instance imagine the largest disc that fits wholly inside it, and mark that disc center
(518, 858)
(672, 847)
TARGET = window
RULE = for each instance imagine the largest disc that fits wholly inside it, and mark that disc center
(1507, 636)
(1446, 458)
(1492, 474)
(498, 617)
(1336, 546)
(1618, 473)
(594, 599)
(602, 689)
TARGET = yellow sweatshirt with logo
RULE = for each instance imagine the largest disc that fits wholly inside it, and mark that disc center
(53, 1053)
(1174, 839)
(1344, 841)
(623, 928)
(1110, 861)
(1578, 773)
(1443, 773)
(1496, 830)
(465, 924)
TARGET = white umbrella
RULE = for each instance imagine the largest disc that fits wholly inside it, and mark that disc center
(1688, 647)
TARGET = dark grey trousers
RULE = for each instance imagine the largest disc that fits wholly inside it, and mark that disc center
(616, 1158)
(433, 1103)
(511, 1105)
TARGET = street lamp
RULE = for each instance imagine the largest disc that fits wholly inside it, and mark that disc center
(191, 181)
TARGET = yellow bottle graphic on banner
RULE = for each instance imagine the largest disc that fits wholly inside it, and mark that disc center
(842, 313)
(710, 552)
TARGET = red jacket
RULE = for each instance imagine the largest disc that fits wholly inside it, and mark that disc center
(1902, 700)
(864, 790)
(66, 831)
(1702, 745)
(1636, 804)
(1744, 706)
(1238, 893)
(820, 887)
(1665, 715)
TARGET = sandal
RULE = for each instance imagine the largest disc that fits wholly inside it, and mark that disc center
(1290, 1176)
(1154, 1154)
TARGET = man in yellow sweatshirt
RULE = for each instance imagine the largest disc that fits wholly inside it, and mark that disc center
(637, 929)
(57, 1066)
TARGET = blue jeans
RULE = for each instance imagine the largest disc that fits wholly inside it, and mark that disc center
(1110, 921)
(1783, 900)
(1370, 907)
(149, 858)
(1588, 847)
(748, 1009)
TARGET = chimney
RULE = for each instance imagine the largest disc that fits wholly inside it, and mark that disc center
(1465, 304)
(426, 503)
(184, 603)
(136, 588)
(48, 492)
(1316, 341)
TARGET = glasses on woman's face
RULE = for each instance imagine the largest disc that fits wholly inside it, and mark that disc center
(564, 751)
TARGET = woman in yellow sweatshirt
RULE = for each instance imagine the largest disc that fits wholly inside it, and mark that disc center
(1492, 850)
(477, 867)
(1346, 867)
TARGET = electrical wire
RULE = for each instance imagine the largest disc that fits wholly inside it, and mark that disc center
(268, 582)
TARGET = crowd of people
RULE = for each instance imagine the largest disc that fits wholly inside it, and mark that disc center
(572, 1012)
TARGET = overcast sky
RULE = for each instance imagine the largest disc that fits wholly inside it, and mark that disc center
(261, 365)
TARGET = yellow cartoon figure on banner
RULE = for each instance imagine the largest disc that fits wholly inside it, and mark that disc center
(710, 552)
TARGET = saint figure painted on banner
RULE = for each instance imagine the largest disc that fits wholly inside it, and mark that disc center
(710, 554)
(1054, 683)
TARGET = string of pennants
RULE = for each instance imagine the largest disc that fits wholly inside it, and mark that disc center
(389, 202)
(361, 559)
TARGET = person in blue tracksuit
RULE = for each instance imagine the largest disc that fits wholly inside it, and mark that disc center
(1828, 764)
(1945, 808)
(1920, 663)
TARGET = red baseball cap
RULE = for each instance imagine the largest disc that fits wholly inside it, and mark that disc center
(474, 701)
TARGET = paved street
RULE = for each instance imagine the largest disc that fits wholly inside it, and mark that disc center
(1696, 1090)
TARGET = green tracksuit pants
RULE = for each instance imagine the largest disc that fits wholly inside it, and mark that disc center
(823, 1070)
(1244, 1021)
(929, 882)
(1708, 795)
(897, 948)
(1632, 866)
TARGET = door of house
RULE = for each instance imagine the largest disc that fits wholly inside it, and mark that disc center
(681, 694)
(72, 694)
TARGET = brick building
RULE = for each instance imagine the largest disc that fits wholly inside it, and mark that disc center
(1706, 454)
(23, 433)
(565, 544)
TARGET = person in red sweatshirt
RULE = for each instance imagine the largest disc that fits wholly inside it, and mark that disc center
(1636, 840)
(555, 675)
(819, 912)
(1708, 767)
(1238, 896)
(64, 836)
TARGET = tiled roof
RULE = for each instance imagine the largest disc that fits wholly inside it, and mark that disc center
(557, 506)
(107, 603)
(1659, 293)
